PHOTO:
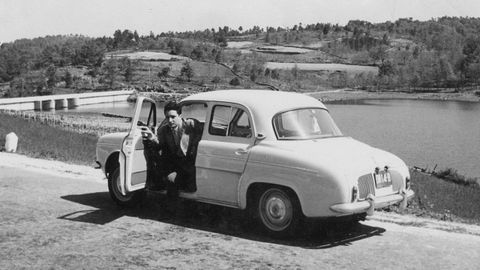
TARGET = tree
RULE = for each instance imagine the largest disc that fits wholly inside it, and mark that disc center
(236, 68)
(51, 74)
(235, 81)
(219, 56)
(164, 72)
(135, 36)
(385, 40)
(326, 29)
(43, 85)
(187, 71)
(216, 80)
(197, 53)
(267, 37)
(220, 38)
(18, 88)
(379, 53)
(68, 79)
(110, 72)
(274, 74)
(128, 68)
(90, 54)
(128, 73)
(386, 69)
(255, 71)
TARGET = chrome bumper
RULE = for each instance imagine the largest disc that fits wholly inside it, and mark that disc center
(372, 203)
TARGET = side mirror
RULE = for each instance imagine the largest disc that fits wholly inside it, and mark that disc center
(259, 137)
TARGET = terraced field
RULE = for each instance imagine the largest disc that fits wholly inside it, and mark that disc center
(148, 56)
(331, 67)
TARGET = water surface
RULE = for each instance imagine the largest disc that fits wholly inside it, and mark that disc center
(423, 133)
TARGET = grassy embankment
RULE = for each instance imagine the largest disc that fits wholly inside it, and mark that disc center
(65, 138)
(452, 198)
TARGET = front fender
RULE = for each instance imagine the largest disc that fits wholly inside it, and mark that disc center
(104, 152)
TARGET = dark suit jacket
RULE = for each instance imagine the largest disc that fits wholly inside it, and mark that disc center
(186, 150)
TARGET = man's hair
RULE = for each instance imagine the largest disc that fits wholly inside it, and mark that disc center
(172, 105)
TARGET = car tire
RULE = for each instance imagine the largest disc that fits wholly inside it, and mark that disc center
(129, 200)
(278, 211)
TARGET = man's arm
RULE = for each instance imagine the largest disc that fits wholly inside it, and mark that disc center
(156, 142)
(194, 127)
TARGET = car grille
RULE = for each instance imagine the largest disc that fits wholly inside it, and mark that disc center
(366, 184)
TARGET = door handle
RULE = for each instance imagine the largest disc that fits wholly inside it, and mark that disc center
(241, 151)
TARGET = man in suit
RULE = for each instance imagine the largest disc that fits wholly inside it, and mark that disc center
(177, 141)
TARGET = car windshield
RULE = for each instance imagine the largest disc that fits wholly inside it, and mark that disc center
(302, 124)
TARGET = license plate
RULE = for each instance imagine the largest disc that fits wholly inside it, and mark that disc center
(382, 179)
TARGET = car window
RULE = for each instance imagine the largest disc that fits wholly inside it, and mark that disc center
(220, 118)
(147, 115)
(230, 121)
(240, 125)
(305, 124)
(197, 111)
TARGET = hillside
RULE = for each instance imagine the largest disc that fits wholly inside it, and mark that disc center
(406, 55)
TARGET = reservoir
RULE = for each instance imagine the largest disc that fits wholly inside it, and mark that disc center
(421, 132)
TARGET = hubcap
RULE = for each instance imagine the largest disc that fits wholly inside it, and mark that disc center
(276, 208)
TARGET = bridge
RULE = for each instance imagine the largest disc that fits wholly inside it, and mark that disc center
(59, 102)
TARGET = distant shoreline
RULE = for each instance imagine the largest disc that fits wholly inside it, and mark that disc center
(350, 95)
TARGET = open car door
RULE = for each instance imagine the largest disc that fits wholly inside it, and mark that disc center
(133, 166)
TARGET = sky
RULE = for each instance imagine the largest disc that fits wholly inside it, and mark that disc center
(96, 18)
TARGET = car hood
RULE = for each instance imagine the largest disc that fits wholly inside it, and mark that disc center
(342, 153)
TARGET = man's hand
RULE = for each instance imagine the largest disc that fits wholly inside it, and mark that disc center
(147, 134)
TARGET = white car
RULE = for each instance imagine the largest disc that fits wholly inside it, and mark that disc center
(278, 154)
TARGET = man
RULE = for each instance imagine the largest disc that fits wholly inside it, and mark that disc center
(177, 139)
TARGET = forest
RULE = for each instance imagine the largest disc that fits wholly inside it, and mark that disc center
(410, 54)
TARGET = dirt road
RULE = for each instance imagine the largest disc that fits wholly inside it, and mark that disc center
(58, 216)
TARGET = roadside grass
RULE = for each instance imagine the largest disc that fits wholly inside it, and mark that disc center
(451, 175)
(443, 199)
(43, 141)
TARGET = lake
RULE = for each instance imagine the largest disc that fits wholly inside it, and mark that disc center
(423, 133)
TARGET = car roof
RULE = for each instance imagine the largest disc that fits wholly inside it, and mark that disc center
(263, 104)
(259, 100)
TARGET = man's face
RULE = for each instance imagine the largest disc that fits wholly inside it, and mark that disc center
(174, 119)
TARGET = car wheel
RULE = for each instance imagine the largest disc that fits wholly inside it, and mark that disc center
(278, 211)
(129, 200)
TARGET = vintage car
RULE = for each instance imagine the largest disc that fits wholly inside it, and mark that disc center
(278, 154)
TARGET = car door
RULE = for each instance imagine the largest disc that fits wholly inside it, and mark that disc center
(223, 153)
(133, 167)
